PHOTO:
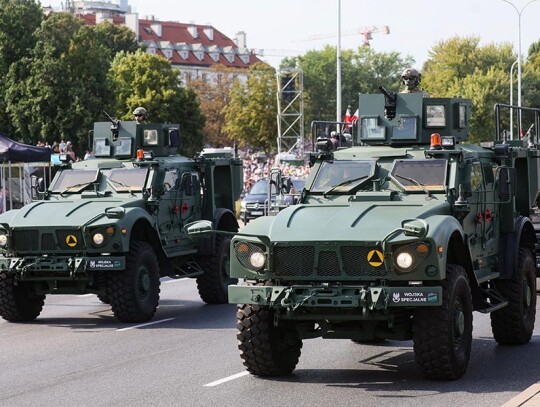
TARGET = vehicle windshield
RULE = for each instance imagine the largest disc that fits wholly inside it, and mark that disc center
(260, 188)
(73, 181)
(128, 179)
(342, 176)
(420, 175)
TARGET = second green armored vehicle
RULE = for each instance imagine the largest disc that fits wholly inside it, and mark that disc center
(401, 235)
(113, 225)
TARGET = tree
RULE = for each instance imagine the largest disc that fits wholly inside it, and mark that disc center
(19, 20)
(460, 67)
(362, 71)
(213, 97)
(252, 112)
(142, 79)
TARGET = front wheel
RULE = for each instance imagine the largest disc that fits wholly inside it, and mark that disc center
(443, 335)
(514, 324)
(213, 285)
(17, 301)
(134, 292)
(266, 349)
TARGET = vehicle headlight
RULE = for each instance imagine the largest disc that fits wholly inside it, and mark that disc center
(409, 256)
(404, 260)
(250, 255)
(3, 240)
(98, 239)
(243, 204)
(101, 235)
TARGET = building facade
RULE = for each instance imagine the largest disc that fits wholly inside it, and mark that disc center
(191, 48)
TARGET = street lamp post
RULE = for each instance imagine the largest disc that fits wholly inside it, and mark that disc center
(519, 12)
(512, 99)
(338, 69)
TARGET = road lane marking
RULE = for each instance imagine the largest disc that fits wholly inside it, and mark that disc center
(175, 280)
(141, 325)
(226, 379)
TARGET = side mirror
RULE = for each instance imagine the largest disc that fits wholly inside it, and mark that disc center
(507, 183)
(199, 228)
(415, 227)
(115, 213)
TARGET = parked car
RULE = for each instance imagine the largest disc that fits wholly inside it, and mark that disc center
(255, 203)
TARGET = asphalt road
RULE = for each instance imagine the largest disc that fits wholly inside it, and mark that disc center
(76, 354)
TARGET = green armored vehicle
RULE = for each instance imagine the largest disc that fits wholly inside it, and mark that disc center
(113, 225)
(399, 235)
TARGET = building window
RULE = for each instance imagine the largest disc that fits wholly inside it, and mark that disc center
(199, 55)
(230, 57)
(204, 77)
(184, 54)
(151, 50)
(214, 56)
(167, 53)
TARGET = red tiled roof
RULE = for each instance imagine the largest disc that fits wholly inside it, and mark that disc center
(179, 33)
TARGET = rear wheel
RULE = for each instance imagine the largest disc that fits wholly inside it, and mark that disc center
(213, 285)
(266, 349)
(134, 292)
(443, 335)
(17, 302)
(514, 324)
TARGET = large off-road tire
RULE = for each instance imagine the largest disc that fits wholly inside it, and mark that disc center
(213, 284)
(17, 302)
(134, 292)
(514, 324)
(443, 335)
(266, 350)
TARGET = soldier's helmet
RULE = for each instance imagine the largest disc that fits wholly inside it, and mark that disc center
(140, 111)
(411, 78)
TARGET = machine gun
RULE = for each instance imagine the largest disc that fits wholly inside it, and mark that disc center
(115, 123)
(389, 103)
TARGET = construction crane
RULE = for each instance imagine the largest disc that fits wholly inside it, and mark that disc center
(365, 32)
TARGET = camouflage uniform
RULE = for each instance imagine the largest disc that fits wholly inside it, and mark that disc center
(411, 80)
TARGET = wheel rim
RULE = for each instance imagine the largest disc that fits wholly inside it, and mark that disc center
(144, 282)
(526, 296)
(458, 323)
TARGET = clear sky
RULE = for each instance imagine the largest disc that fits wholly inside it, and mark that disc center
(281, 27)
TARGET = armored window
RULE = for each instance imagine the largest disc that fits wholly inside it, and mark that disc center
(476, 176)
(150, 137)
(406, 130)
(462, 116)
(122, 147)
(170, 180)
(342, 176)
(128, 179)
(73, 181)
(419, 175)
(435, 116)
(370, 129)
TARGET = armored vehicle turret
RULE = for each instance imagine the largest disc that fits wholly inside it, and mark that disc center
(113, 225)
(401, 232)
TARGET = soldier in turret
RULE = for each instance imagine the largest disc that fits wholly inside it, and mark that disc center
(141, 115)
(411, 80)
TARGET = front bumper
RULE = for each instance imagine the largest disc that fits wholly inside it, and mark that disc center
(60, 267)
(357, 296)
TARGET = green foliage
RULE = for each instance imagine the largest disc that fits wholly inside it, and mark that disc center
(252, 111)
(213, 96)
(362, 71)
(57, 92)
(142, 79)
(18, 21)
(460, 67)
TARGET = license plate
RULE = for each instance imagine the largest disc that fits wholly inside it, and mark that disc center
(256, 213)
(110, 263)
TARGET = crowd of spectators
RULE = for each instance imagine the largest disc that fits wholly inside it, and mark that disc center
(258, 166)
